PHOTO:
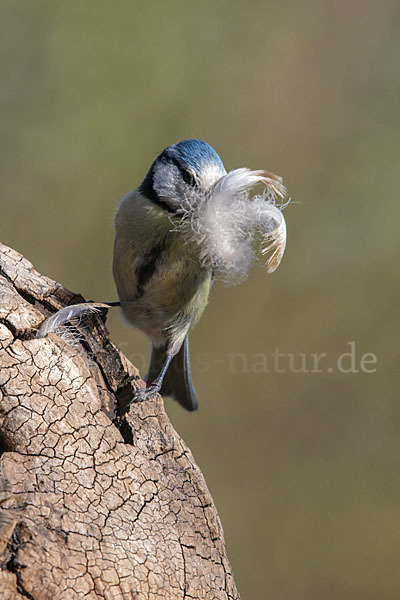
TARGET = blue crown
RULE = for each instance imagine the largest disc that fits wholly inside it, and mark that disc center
(195, 153)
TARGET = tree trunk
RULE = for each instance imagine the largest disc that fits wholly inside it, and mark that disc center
(106, 499)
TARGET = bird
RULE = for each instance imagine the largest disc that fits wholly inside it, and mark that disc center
(187, 224)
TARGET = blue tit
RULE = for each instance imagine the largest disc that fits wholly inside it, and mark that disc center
(188, 223)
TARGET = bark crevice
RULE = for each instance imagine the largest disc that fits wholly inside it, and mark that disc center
(107, 498)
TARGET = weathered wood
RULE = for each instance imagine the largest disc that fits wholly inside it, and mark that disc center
(107, 503)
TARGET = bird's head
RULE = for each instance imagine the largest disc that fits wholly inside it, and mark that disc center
(181, 171)
(216, 210)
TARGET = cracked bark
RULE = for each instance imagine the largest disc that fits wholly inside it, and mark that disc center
(107, 503)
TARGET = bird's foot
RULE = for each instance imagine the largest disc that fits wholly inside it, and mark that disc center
(147, 393)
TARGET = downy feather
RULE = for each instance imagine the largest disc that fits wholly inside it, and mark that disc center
(65, 321)
(226, 221)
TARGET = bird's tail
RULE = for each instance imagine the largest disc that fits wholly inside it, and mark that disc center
(177, 381)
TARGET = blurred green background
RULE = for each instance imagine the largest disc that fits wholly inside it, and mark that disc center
(304, 467)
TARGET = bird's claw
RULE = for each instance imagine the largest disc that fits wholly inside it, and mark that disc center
(147, 393)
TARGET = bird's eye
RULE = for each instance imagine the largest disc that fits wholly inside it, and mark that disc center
(188, 178)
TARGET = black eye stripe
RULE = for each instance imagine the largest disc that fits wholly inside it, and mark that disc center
(187, 176)
(147, 186)
(147, 189)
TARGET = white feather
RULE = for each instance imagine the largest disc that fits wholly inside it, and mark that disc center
(71, 315)
(226, 221)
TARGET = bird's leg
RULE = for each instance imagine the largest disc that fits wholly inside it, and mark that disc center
(110, 304)
(154, 387)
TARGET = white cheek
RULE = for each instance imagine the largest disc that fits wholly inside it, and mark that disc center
(210, 175)
(165, 181)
